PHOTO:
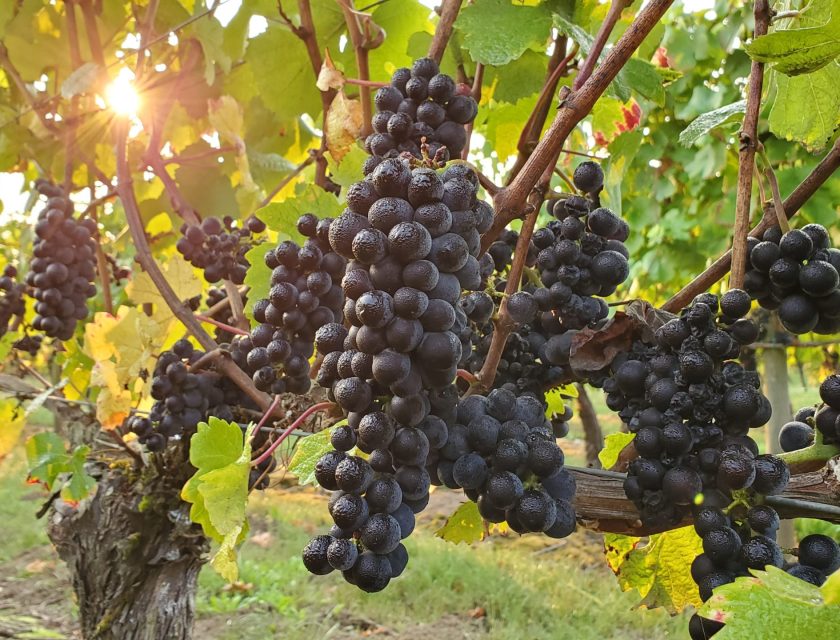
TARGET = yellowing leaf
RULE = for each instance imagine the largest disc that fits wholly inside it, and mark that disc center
(226, 117)
(660, 570)
(113, 402)
(181, 277)
(329, 77)
(344, 125)
(11, 426)
(218, 491)
(464, 525)
(613, 446)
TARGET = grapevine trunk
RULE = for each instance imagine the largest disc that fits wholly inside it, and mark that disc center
(133, 556)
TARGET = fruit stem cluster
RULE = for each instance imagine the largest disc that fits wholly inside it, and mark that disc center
(749, 142)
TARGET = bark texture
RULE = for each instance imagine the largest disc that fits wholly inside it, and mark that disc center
(133, 555)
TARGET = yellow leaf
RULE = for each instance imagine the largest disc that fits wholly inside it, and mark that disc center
(113, 403)
(11, 426)
(181, 277)
(226, 117)
(224, 562)
(329, 77)
(343, 126)
(660, 570)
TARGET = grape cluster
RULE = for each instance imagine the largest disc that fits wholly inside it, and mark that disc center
(63, 266)
(734, 544)
(30, 343)
(304, 296)
(183, 398)
(581, 259)
(502, 452)
(411, 252)
(11, 298)
(691, 406)
(797, 274)
(218, 247)
(420, 105)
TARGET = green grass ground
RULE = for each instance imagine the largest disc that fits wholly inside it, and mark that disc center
(498, 589)
(503, 588)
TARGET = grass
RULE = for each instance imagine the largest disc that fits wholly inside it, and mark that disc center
(524, 588)
(500, 589)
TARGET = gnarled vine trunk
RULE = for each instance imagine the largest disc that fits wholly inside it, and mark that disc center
(133, 555)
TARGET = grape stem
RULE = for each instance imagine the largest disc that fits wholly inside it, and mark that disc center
(478, 79)
(443, 31)
(504, 324)
(778, 205)
(237, 308)
(221, 325)
(361, 44)
(466, 375)
(748, 138)
(306, 33)
(511, 201)
(150, 266)
(265, 455)
(558, 65)
(601, 38)
(798, 197)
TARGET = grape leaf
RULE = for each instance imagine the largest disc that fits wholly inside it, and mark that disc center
(51, 465)
(282, 216)
(614, 444)
(218, 492)
(815, 125)
(343, 125)
(704, 123)
(11, 426)
(464, 525)
(782, 606)
(210, 35)
(498, 31)
(520, 78)
(797, 51)
(307, 453)
(831, 589)
(258, 276)
(80, 80)
(180, 275)
(660, 570)
(617, 547)
(347, 171)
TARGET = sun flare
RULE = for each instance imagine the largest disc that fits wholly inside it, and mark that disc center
(122, 97)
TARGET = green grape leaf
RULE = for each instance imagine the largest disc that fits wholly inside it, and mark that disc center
(46, 458)
(297, 93)
(498, 31)
(51, 465)
(518, 79)
(660, 570)
(464, 525)
(282, 216)
(704, 123)
(348, 170)
(218, 491)
(831, 589)
(815, 125)
(781, 606)
(258, 276)
(210, 35)
(645, 80)
(614, 444)
(797, 51)
(307, 453)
